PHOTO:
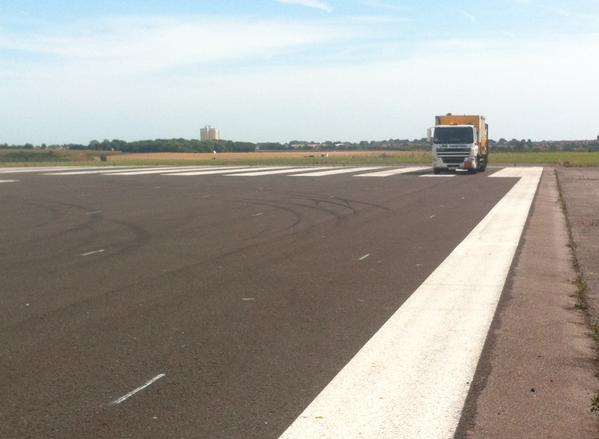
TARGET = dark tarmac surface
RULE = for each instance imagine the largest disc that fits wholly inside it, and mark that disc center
(247, 293)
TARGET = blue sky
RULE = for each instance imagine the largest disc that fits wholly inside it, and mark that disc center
(295, 69)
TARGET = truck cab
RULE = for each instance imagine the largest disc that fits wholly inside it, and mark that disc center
(460, 143)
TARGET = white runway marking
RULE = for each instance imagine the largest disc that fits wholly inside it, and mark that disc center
(337, 171)
(9, 181)
(162, 171)
(364, 257)
(42, 169)
(279, 171)
(391, 172)
(412, 377)
(438, 175)
(227, 170)
(96, 252)
(514, 172)
(139, 389)
(104, 171)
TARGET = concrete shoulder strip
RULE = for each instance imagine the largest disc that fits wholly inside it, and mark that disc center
(411, 379)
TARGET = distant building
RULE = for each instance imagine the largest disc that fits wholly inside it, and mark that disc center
(210, 133)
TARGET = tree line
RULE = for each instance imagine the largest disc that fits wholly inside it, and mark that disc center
(195, 145)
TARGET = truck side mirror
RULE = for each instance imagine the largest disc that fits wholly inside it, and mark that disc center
(429, 134)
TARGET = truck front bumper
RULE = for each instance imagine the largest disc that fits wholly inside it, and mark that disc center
(466, 163)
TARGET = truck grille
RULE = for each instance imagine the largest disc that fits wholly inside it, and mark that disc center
(453, 156)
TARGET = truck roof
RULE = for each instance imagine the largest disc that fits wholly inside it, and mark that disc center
(455, 119)
(454, 126)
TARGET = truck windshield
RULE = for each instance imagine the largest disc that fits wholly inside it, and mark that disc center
(454, 135)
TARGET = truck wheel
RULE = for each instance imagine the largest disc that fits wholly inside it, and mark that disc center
(482, 164)
(436, 171)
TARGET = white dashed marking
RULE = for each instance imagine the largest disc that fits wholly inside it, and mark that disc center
(17, 170)
(161, 171)
(278, 171)
(391, 172)
(137, 390)
(337, 171)
(95, 252)
(216, 171)
(109, 171)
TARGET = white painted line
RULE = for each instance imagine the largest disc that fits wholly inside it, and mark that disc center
(224, 171)
(139, 389)
(12, 169)
(394, 172)
(25, 170)
(412, 377)
(337, 171)
(162, 171)
(513, 172)
(111, 171)
(96, 252)
(280, 171)
(438, 175)
(364, 257)
(46, 169)
(9, 181)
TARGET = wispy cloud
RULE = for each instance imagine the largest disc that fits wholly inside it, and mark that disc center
(469, 16)
(150, 44)
(569, 14)
(383, 5)
(315, 4)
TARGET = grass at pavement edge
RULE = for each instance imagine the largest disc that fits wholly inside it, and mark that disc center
(569, 159)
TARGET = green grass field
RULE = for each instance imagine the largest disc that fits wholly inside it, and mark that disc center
(36, 157)
(87, 158)
(572, 159)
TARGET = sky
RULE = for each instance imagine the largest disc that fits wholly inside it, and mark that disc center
(281, 70)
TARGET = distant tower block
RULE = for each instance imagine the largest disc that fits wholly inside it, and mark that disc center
(210, 133)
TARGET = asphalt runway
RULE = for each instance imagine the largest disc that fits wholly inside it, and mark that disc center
(159, 306)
